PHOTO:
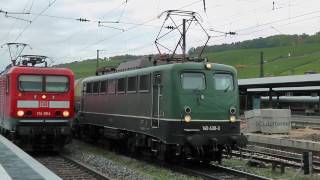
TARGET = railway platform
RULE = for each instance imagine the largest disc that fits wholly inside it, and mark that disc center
(15, 164)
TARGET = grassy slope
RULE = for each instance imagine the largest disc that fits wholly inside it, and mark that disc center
(305, 57)
(88, 67)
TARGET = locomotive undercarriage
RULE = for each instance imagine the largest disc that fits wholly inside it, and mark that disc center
(134, 143)
(186, 152)
(39, 136)
(43, 138)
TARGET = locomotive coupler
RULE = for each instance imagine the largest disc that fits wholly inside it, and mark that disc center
(197, 140)
(240, 140)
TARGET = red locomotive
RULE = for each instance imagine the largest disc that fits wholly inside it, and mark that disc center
(36, 106)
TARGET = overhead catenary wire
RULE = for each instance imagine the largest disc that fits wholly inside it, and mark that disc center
(117, 34)
(268, 27)
(150, 24)
(109, 11)
(92, 20)
(286, 19)
(286, 24)
(226, 33)
(278, 21)
(260, 9)
(14, 23)
(136, 25)
(34, 19)
(100, 23)
(8, 14)
(87, 20)
(123, 10)
(110, 37)
(31, 6)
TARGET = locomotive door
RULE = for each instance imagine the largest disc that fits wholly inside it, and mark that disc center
(156, 98)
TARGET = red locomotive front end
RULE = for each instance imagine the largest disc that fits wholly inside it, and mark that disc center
(36, 106)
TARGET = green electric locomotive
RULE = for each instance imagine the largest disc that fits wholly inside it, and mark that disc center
(187, 110)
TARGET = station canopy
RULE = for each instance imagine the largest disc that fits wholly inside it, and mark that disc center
(295, 83)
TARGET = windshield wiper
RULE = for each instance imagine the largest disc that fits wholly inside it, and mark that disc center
(227, 88)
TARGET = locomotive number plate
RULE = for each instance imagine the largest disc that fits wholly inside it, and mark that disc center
(211, 128)
(43, 113)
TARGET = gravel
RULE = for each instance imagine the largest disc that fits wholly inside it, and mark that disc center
(108, 167)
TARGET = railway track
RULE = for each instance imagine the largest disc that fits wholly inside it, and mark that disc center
(69, 169)
(206, 171)
(217, 172)
(304, 121)
(276, 156)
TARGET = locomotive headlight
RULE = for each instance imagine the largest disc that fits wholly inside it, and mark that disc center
(20, 113)
(187, 118)
(65, 113)
(232, 119)
(208, 65)
(43, 96)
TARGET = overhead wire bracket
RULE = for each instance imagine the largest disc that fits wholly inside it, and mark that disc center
(10, 15)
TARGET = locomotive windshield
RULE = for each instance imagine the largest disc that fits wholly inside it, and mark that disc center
(223, 82)
(30, 83)
(56, 84)
(193, 81)
(39, 83)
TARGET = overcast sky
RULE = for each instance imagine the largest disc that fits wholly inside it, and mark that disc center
(55, 32)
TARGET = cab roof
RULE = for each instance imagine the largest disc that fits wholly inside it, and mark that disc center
(39, 70)
(164, 67)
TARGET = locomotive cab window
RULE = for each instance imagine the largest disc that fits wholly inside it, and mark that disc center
(103, 87)
(223, 82)
(193, 81)
(132, 84)
(30, 83)
(121, 87)
(57, 84)
(111, 86)
(144, 81)
(95, 87)
(89, 87)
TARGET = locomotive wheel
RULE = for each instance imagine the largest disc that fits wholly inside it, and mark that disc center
(219, 156)
(206, 161)
(161, 155)
(131, 146)
(12, 137)
(164, 153)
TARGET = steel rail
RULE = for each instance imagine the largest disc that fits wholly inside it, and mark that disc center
(69, 168)
(217, 172)
(289, 161)
(315, 162)
(92, 171)
(304, 121)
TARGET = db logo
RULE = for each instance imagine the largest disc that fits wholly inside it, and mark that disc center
(44, 104)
